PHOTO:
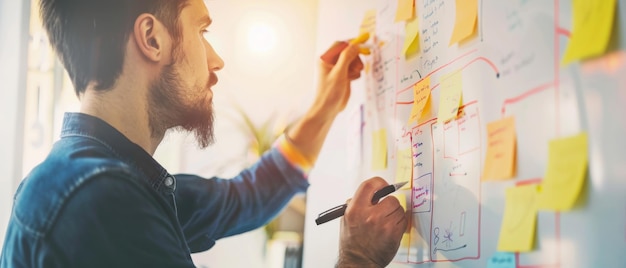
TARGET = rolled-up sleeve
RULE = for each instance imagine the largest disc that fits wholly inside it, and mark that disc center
(210, 209)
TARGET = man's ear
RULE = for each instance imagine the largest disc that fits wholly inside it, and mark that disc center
(150, 36)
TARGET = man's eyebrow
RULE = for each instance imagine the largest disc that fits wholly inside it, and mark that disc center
(205, 21)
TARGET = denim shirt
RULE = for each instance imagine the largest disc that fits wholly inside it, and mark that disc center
(99, 200)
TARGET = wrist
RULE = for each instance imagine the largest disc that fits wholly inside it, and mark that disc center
(322, 112)
(355, 261)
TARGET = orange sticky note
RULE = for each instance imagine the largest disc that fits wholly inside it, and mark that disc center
(379, 150)
(592, 27)
(421, 98)
(404, 166)
(466, 20)
(405, 10)
(411, 41)
(451, 96)
(331, 56)
(565, 177)
(501, 149)
(369, 22)
(517, 232)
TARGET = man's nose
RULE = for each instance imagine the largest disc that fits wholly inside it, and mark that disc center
(216, 62)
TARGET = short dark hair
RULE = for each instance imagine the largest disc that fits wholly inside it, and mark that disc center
(90, 36)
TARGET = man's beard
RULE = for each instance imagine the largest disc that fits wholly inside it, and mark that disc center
(167, 108)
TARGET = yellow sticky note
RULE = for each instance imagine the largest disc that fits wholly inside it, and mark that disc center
(501, 149)
(369, 22)
(379, 150)
(421, 99)
(405, 10)
(404, 166)
(411, 41)
(565, 177)
(517, 233)
(405, 242)
(451, 96)
(466, 20)
(426, 112)
(592, 27)
(402, 199)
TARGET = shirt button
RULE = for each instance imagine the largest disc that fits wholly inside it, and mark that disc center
(169, 181)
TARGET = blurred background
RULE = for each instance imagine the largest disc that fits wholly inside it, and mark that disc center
(270, 53)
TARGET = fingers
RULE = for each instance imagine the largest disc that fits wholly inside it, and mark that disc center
(391, 205)
(331, 56)
(354, 71)
(349, 54)
(342, 58)
(365, 192)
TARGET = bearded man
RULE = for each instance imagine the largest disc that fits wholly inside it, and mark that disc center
(99, 199)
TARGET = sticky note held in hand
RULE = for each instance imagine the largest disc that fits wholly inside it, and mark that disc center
(332, 55)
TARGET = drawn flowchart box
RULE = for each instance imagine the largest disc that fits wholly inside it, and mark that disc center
(422, 193)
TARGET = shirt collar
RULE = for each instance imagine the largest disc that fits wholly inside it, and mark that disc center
(86, 125)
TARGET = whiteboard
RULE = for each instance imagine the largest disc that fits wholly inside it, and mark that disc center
(511, 68)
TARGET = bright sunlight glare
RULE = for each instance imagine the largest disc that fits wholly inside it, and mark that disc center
(262, 38)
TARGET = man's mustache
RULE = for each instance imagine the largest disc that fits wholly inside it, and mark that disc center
(213, 79)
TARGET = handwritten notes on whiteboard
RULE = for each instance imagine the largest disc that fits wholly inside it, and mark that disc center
(379, 149)
(451, 96)
(411, 41)
(517, 233)
(466, 21)
(501, 149)
(421, 100)
(592, 26)
(405, 10)
(565, 177)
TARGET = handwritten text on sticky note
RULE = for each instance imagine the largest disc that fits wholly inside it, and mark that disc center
(517, 233)
(565, 177)
(502, 260)
(369, 22)
(421, 98)
(501, 149)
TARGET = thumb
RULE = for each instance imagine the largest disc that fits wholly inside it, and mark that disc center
(365, 192)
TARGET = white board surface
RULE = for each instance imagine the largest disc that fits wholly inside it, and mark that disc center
(511, 68)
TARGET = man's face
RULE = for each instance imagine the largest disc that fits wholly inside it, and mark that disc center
(181, 96)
